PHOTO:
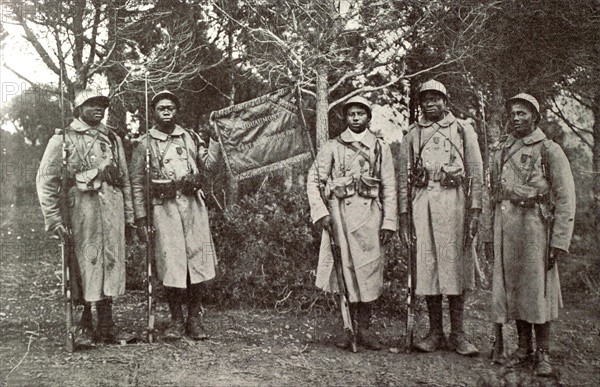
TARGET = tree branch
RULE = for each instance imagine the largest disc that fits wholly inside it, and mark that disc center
(31, 38)
(571, 126)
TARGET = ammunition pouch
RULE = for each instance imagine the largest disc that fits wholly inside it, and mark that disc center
(88, 181)
(524, 196)
(163, 189)
(190, 184)
(368, 186)
(420, 176)
(451, 175)
(343, 187)
(113, 176)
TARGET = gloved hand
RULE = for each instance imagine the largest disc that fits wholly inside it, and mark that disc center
(129, 231)
(386, 236)
(62, 232)
(142, 229)
(112, 175)
(326, 223)
(404, 229)
(554, 256)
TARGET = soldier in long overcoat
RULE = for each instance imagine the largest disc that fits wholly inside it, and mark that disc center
(445, 158)
(533, 208)
(360, 221)
(184, 250)
(99, 207)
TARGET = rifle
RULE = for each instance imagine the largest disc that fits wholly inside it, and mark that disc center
(344, 305)
(468, 238)
(412, 256)
(336, 252)
(149, 232)
(66, 245)
(335, 248)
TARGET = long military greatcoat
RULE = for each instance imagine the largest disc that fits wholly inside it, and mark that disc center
(183, 242)
(97, 218)
(439, 212)
(521, 287)
(357, 220)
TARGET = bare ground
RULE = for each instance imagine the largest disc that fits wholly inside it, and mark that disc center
(250, 347)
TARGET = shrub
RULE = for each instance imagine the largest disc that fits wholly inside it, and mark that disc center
(267, 251)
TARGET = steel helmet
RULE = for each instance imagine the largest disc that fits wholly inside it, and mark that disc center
(87, 94)
(433, 85)
(358, 100)
(165, 94)
(527, 98)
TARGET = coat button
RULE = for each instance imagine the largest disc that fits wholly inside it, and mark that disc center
(348, 202)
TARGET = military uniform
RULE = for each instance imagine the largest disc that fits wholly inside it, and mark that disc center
(99, 209)
(184, 251)
(532, 218)
(183, 242)
(358, 219)
(445, 158)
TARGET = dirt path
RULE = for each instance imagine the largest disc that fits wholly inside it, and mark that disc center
(247, 347)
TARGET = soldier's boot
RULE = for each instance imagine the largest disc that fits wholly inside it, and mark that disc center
(84, 331)
(365, 336)
(542, 355)
(435, 339)
(343, 340)
(458, 340)
(174, 330)
(497, 355)
(106, 331)
(194, 325)
(524, 352)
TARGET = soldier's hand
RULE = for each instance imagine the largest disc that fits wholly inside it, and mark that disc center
(386, 236)
(62, 232)
(489, 250)
(326, 223)
(142, 229)
(554, 256)
(404, 229)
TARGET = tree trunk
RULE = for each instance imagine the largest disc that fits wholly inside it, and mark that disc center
(232, 184)
(596, 166)
(322, 107)
(496, 108)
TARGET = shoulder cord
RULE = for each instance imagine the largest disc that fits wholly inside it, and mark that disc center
(86, 151)
(187, 150)
(358, 151)
(527, 178)
(158, 156)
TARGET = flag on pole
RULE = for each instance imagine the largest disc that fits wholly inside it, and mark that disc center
(262, 135)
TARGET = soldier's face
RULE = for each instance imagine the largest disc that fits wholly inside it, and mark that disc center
(522, 118)
(433, 105)
(357, 118)
(92, 112)
(165, 111)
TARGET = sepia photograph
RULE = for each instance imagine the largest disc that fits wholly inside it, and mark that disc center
(300, 192)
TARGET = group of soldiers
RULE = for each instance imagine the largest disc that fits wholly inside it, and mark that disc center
(529, 219)
(355, 196)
